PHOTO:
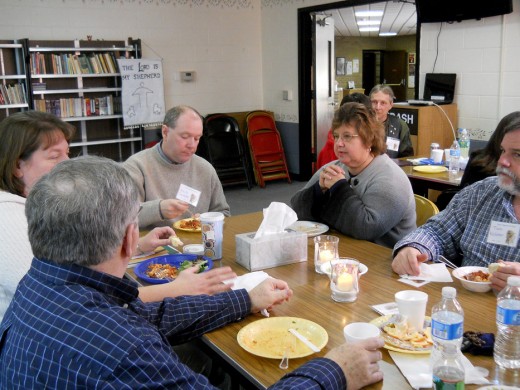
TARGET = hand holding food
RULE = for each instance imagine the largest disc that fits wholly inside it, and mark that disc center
(173, 208)
(502, 270)
(159, 236)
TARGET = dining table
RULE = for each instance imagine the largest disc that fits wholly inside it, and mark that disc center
(312, 301)
(422, 180)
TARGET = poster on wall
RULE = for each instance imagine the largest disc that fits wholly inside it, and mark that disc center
(142, 92)
(411, 70)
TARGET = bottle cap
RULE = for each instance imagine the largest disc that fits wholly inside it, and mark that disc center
(449, 292)
(513, 281)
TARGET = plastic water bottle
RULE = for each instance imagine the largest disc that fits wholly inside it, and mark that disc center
(448, 370)
(454, 159)
(507, 341)
(447, 323)
(464, 143)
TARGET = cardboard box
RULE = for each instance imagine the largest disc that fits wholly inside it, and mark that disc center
(270, 251)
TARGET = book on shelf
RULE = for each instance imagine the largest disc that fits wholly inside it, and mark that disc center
(39, 86)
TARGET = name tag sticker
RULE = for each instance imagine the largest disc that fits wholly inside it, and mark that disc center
(503, 233)
(392, 143)
(188, 195)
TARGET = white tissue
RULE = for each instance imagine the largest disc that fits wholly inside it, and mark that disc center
(249, 281)
(277, 217)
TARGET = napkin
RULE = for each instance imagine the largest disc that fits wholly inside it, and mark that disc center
(418, 372)
(436, 272)
(249, 281)
(277, 217)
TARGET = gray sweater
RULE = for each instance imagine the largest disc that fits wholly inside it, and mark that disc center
(159, 179)
(377, 205)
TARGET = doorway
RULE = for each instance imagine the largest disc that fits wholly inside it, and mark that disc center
(307, 156)
(385, 67)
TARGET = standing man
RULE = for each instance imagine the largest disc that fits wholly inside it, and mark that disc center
(159, 172)
(398, 142)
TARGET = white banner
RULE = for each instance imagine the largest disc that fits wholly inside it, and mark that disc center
(143, 92)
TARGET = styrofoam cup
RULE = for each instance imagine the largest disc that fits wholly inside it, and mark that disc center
(412, 306)
(359, 331)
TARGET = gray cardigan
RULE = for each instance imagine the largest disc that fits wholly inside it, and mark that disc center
(377, 205)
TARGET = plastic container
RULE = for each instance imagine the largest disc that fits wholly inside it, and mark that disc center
(507, 341)
(447, 323)
(464, 143)
(212, 226)
(448, 370)
(454, 159)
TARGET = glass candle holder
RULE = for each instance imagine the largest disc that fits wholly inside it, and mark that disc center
(344, 280)
(325, 250)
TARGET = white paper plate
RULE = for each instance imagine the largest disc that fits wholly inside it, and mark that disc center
(311, 228)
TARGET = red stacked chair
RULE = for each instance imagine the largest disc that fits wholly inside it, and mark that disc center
(266, 148)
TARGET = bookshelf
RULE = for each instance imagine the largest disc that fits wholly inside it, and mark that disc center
(13, 78)
(79, 82)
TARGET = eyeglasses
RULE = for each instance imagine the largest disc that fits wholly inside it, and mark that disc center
(345, 137)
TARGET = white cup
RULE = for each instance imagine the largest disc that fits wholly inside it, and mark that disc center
(436, 155)
(412, 306)
(359, 331)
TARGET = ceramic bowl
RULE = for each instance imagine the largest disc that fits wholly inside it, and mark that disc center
(460, 272)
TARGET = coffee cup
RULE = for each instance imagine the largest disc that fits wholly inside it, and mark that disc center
(359, 331)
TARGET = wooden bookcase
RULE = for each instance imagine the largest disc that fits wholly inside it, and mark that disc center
(79, 81)
(13, 77)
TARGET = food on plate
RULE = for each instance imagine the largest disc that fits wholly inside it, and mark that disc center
(493, 267)
(176, 241)
(396, 333)
(190, 223)
(162, 271)
(168, 271)
(477, 276)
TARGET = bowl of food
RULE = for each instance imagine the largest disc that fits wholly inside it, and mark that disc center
(474, 278)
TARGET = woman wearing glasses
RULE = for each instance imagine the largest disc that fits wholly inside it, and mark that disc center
(363, 194)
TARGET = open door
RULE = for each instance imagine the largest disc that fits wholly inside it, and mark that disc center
(323, 79)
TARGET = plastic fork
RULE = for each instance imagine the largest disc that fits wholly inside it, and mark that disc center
(284, 364)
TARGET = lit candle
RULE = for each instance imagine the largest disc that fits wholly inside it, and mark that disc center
(326, 255)
(345, 282)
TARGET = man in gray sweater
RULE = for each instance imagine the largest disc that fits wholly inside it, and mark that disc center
(159, 172)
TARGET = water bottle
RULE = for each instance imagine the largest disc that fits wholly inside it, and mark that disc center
(464, 143)
(448, 370)
(454, 159)
(447, 323)
(507, 341)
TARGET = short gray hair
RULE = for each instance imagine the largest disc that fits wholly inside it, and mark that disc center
(173, 114)
(78, 213)
(387, 90)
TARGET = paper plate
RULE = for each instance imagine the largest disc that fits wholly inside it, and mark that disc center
(311, 228)
(177, 225)
(430, 169)
(270, 337)
(384, 319)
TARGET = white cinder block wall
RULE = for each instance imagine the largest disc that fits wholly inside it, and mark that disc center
(244, 52)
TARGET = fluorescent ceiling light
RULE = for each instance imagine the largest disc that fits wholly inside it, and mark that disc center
(387, 34)
(363, 14)
(365, 29)
(369, 23)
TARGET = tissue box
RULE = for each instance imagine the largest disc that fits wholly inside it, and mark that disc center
(270, 251)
